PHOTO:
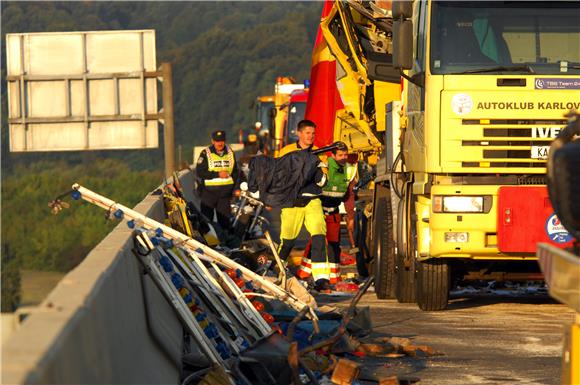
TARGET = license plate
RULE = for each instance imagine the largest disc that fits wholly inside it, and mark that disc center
(540, 152)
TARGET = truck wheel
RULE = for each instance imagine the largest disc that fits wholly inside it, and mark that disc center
(433, 281)
(384, 243)
(405, 280)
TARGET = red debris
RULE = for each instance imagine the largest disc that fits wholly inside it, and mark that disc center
(347, 259)
(258, 305)
(347, 287)
(267, 317)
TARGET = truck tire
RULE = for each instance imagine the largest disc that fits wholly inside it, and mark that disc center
(405, 291)
(384, 244)
(406, 276)
(433, 281)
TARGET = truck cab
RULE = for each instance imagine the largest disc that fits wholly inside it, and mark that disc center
(487, 85)
(296, 111)
(461, 101)
(263, 113)
(283, 90)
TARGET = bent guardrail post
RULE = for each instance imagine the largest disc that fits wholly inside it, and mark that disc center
(120, 211)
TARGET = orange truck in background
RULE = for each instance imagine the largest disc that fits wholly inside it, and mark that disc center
(278, 114)
(289, 107)
(264, 106)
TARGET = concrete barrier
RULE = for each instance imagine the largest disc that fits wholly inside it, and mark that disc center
(104, 323)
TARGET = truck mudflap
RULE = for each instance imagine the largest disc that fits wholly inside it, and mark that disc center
(525, 217)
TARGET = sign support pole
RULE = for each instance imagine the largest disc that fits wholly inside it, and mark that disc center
(168, 129)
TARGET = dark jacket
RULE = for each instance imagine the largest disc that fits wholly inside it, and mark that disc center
(292, 180)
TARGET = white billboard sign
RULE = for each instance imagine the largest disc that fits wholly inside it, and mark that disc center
(82, 90)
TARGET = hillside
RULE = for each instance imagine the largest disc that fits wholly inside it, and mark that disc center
(224, 54)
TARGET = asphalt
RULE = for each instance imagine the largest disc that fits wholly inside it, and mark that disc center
(483, 339)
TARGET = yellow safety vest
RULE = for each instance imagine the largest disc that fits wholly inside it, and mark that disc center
(217, 163)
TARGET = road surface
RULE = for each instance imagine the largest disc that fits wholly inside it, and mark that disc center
(485, 339)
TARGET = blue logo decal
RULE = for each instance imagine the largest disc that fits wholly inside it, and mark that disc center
(557, 84)
(556, 231)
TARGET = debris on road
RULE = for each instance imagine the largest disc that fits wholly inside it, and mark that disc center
(261, 328)
(345, 372)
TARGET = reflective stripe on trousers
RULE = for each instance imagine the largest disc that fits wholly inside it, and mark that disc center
(318, 270)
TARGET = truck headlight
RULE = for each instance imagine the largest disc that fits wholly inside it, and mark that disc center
(457, 204)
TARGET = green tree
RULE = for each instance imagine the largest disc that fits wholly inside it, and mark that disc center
(224, 54)
(42, 241)
(10, 280)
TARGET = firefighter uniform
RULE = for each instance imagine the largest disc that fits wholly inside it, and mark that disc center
(336, 191)
(216, 192)
(307, 211)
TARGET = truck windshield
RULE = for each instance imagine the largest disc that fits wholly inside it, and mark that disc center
(505, 36)
(263, 114)
(296, 112)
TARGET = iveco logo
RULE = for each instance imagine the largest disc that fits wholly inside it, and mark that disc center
(545, 132)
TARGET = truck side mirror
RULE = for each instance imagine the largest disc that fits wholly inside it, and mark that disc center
(402, 44)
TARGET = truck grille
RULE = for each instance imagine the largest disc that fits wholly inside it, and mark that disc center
(509, 143)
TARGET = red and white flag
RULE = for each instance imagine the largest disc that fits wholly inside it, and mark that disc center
(323, 99)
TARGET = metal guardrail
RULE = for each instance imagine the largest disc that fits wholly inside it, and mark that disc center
(562, 273)
(104, 322)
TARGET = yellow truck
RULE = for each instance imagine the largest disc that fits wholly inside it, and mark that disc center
(283, 110)
(284, 90)
(264, 105)
(460, 187)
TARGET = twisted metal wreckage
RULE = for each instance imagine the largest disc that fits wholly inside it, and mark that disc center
(231, 339)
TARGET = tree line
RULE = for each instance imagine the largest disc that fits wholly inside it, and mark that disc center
(224, 54)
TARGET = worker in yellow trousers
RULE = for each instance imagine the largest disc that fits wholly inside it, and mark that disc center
(339, 189)
(307, 209)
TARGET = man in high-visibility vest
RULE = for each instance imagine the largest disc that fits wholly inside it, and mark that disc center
(217, 173)
(307, 209)
(341, 178)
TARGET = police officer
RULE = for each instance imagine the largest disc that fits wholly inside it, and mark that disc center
(307, 209)
(217, 172)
